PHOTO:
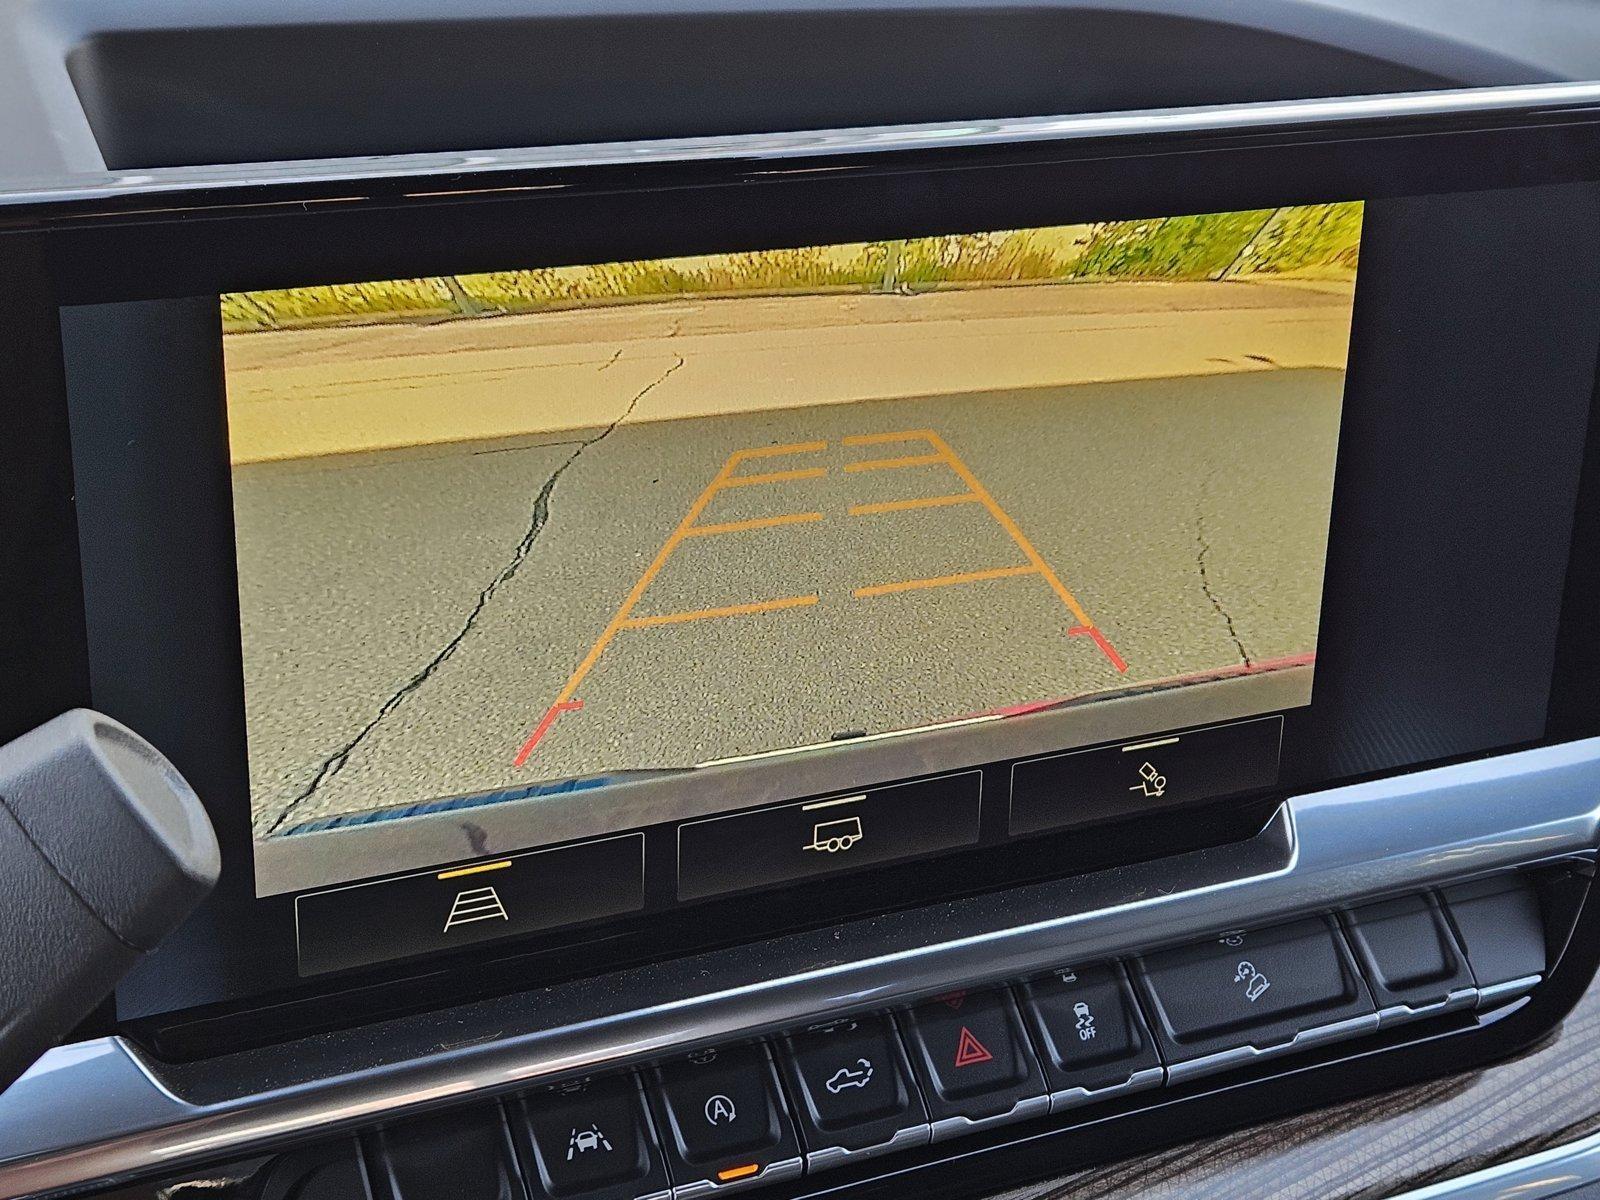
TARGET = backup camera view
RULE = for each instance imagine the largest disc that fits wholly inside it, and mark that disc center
(506, 535)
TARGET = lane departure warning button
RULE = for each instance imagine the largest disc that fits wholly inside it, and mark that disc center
(974, 1061)
(589, 1138)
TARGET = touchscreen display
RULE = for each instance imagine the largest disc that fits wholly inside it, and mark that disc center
(516, 538)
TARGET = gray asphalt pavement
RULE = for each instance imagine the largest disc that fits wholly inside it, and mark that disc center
(410, 615)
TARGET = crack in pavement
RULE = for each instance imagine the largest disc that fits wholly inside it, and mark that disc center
(335, 762)
(1205, 577)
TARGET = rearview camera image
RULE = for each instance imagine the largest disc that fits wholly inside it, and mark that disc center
(517, 536)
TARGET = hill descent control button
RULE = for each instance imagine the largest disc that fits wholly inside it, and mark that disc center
(974, 1061)
(1243, 993)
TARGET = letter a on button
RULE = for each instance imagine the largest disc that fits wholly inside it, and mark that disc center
(970, 1051)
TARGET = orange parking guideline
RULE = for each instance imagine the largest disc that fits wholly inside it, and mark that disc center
(799, 518)
(779, 451)
(882, 439)
(731, 610)
(479, 869)
(943, 452)
(775, 477)
(866, 510)
(911, 585)
(623, 617)
(888, 464)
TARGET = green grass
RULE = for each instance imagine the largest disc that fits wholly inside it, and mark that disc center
(1319, 240)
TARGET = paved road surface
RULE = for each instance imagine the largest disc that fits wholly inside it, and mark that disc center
(410, 615)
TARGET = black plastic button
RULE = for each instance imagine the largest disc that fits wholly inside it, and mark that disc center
(1501, 928)
(1089, 1030)
(432, 911)
(591, 1138)
(973, 1059)
(723, 1117)
(1258, 988)
(1409, 953)
(460, 1155)
(853, 1087)
(1114, 781)
(822, 837)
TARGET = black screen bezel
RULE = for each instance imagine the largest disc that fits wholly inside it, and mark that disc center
(215, 244)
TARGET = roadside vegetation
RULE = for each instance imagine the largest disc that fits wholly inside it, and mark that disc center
(1310, 242)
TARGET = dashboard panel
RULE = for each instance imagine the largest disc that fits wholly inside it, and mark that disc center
(1312, 387)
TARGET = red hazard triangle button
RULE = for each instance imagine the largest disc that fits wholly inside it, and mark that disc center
(970, 1051)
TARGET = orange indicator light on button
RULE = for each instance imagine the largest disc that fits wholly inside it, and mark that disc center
(738, 1172)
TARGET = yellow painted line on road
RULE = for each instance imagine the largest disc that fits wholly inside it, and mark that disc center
(477, 870)
(865, 510)
(911, 585)
(732, 610)
(774, 477)
(889, 464)
(799, 518)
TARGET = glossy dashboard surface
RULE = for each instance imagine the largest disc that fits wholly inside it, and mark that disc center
(1383, 1145)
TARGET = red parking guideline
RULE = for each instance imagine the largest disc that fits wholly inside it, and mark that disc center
(543, 727)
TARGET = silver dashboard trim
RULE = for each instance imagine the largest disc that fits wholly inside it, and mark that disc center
(99, 1111)
(466, 171)
(835, 1156)
(1399, 1014)
(959, 1126)
(1239, 1056)
(1558, 1171)
(1076, 1097)
(1499, 993)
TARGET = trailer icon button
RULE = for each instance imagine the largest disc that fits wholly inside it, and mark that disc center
(807, 839)
(834, 836)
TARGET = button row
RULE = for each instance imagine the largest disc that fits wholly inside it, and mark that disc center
(453, 907)
(844, 1089)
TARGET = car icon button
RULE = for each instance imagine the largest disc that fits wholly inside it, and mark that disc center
(589, 1138)
(853, 1088)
